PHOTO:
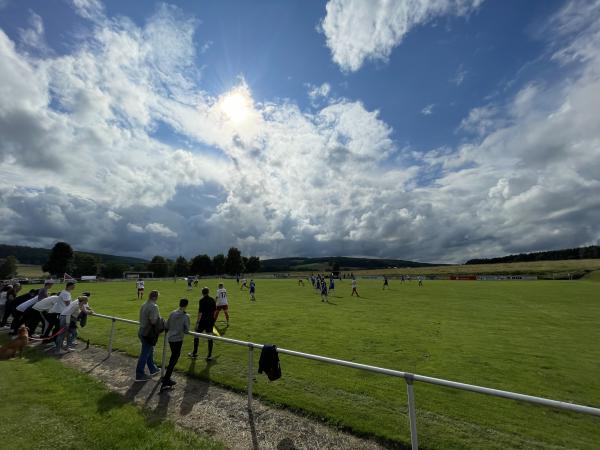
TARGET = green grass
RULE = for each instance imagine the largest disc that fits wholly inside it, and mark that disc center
(539, 338)
(30, 271)
(546, 269)
(46, 405)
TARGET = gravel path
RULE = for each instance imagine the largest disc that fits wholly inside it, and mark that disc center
(212, 410)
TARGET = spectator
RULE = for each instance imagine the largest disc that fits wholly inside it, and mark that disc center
(148, 334)
(178, 325)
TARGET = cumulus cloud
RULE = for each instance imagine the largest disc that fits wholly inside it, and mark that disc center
(287, 181)
(33, 37)
(428, 110)
(316, 92)
(357, 30)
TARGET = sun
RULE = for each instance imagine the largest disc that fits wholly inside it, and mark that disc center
(236, 105)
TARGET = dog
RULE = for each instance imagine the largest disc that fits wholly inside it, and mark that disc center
(17, 345)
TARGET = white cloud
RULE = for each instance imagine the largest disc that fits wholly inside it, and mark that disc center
(288, 181)
(459, 76)
(33, 37)
(316, 92)
(161, 229)
(428, 110)
(358, 30)
(135, 228)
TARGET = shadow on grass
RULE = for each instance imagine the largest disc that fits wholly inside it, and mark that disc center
(109, 401)
(195, 391)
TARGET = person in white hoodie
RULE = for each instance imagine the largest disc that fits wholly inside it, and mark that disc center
(68, 322)
(64, 300)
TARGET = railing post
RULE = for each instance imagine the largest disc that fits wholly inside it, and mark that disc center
(110, 339)
(250, 374)
(412, 412)
(164, 356)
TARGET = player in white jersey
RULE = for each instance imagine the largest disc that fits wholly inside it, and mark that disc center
(140, 289)
(222, 304)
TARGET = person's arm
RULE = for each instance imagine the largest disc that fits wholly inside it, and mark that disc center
(154, 315)
(186, 324)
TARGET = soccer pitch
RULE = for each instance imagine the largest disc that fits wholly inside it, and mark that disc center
(539, 338)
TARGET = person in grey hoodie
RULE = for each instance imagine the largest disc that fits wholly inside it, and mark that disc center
(178, 325)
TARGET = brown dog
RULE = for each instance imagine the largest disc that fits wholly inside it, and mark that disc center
(15, 346)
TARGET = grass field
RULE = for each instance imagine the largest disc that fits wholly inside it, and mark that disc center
(539, 338)
(30, 271)
(543, 268)
(46, 405)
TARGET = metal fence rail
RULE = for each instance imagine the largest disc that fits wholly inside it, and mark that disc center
(410, 378)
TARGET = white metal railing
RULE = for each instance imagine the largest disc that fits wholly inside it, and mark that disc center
(410, 378)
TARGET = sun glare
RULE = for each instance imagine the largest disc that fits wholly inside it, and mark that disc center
(236, 105)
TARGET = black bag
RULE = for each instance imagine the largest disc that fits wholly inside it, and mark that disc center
(152, 331)
(269, 362)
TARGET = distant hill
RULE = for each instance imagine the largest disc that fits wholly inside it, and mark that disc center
(327, 263)
(38, 256)
(591, 252)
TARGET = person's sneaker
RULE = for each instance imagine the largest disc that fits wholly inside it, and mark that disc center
(156, 372)
(74, 344)
(192, 355)
(142, 378)
(209, 358)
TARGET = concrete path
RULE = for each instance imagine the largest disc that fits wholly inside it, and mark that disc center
(212, 410)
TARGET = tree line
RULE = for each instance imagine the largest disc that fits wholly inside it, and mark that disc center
(591, 252)
(62, 259)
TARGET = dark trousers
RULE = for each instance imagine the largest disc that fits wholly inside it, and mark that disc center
(175, 352)
(204, 327)
(54, 324)
(8, 311)
(46, 324)
(32, 318)
(17, 321)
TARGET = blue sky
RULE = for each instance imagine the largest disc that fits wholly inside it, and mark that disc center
(418, 130)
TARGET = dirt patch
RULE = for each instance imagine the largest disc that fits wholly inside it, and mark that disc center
(201, 406)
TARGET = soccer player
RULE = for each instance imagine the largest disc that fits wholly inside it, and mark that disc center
(222, 304)
(331, 284)
(324, 292)
(318, 284)
(420, 278)
(354, 291)
(140, 289)
(300, 282)
(189, 283)
(205, 323)
(243, 285)
(385, 282)
(252, 290)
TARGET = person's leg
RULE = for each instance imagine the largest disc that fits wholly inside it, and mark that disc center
(150, 362)
(217, 311)
(7, 311)
(45, 322)
(16, 322)
(72, 334)
(175, 352)
(61, 337)
(210, 348)
(51, 318)
(143, 358)
(226, 311)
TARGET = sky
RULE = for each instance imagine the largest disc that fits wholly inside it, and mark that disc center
(427, 130)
